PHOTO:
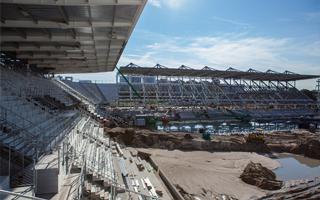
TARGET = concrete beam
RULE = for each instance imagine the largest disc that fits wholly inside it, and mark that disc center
(76, 2)
(61, 25)
(56, 38)
(71, 66)
(54, 48)
(64, 56)
(71, 63)
(65, 61)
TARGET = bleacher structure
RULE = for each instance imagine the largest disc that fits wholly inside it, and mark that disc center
(262, 95)
(34, 115)
(44, 125)
(95, 93)
(231, 88)
(51, 144)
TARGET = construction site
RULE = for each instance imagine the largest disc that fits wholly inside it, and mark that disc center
(158, 132)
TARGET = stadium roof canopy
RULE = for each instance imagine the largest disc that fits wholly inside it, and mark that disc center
(207, 72)
(68, 36)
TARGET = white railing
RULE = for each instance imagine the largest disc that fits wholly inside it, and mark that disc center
(91, 157)
(73, 92)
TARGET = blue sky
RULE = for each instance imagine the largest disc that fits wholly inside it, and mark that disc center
(269, 34)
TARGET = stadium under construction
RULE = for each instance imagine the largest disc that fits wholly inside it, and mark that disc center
(55, 133)
(191, 98)
(264, 95)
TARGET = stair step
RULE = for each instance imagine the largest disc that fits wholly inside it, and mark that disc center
(3, 136)
(93, 191)
(9, 139)
(17, 141)
(20, 146)
(30, 152)
(87, 185)
(106, 195)
(101, 193)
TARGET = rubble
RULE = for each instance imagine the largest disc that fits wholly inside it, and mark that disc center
(306, 189)
(311, 148)
(262, 177)
(298, 142)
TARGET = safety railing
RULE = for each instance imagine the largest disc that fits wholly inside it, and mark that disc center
(25, 122)
(32, 85)
(91, 157)
(73, 92)
(96, 159)
(81, 182)
(15, 194)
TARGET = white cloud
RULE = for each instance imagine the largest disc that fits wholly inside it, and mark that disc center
(231, 21)
(156, 3)
(238, 51)
(144, 60)
(220, 52)
(172, 4)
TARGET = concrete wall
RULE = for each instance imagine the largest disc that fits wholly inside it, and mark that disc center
(47, 181)
(173, 190)
(110, 91)
(4, 183)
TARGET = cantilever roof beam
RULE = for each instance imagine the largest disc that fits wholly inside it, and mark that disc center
(69, 26)
(41, 47)
(76, 2)
(57, 38)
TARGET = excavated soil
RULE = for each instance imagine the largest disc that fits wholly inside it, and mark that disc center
(297, 142)
(202, 169)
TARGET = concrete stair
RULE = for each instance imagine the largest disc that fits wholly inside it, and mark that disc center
(96, 191)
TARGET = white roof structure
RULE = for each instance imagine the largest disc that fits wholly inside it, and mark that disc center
(68, 36)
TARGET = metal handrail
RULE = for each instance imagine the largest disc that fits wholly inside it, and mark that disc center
(18, 116)
(85, 163)
(20, 195)
(72, 91)
(34, 88)
(93, 166)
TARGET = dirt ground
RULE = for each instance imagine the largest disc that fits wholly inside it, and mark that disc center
(203, 174)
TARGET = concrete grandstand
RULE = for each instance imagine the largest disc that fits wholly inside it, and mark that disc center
(263, 96)
(52, 145)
